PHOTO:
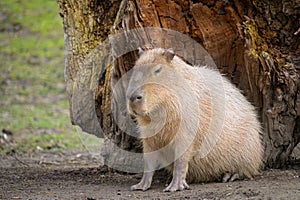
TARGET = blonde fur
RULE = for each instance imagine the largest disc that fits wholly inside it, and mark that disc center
(238, 149)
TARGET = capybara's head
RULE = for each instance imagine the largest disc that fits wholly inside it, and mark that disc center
(149, 85)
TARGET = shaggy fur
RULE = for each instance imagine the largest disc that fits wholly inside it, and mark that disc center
(238, 148)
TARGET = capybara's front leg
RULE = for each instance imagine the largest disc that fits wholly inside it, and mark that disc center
(145, 183)
(179, 174)
(149, 168)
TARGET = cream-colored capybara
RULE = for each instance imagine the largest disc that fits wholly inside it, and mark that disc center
(192, 121)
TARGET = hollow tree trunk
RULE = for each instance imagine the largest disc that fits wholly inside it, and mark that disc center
(254, 43)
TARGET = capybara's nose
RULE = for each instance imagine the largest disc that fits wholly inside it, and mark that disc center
(136, 96)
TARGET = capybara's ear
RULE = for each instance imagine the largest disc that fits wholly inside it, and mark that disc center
(140, 51)
(169, 54)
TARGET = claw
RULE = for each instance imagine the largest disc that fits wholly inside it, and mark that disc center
(226, 177)
(138, 187)
(230, 177)
(234, 177)
(177, 186)
(145, 183)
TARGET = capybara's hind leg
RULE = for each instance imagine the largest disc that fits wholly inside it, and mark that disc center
(228, 177)
(234, 177)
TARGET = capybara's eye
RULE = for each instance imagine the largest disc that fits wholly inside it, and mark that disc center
(158, 70)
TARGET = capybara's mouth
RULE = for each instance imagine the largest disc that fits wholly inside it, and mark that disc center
(137, 111)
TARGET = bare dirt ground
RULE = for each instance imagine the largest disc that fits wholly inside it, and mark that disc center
(78, 175)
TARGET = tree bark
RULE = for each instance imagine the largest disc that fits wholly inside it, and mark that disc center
(254, 43)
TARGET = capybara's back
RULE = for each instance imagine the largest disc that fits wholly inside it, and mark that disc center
(227, 140)
(233, 148)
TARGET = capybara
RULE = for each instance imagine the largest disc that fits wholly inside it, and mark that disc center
(192, 121)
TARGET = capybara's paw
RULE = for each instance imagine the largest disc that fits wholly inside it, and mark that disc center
(140, 186)
(177, 185)
(230, 177)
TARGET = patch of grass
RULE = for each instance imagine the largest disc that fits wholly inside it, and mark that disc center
(46, 142)
(39, 16)
(33, 102)
(41, 115)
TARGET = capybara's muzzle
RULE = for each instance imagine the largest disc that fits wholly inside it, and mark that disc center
(135, 101)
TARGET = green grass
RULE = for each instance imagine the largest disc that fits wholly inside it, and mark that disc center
(40, 115)
(33, 102)
(27, 13)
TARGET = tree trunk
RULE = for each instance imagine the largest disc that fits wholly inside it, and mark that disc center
(254, 43)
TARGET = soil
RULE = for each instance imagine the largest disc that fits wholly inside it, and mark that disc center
(79, 175)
